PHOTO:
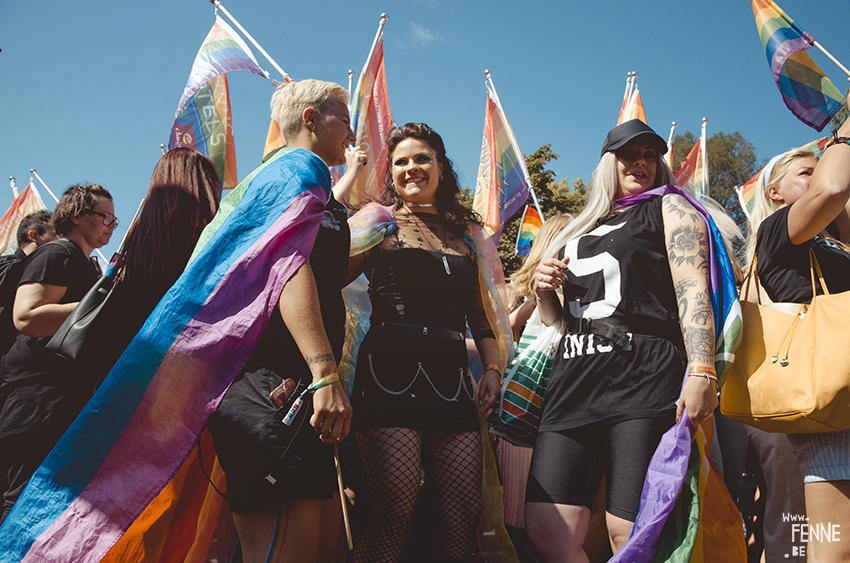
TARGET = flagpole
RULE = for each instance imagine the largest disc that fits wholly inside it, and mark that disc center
(492, 88)
(350, 78)
(13, 186)
(631, 103)
(672, 130)
(828, 54)
(262, 51)
(378, 35)
(704, 156)
(56, 199)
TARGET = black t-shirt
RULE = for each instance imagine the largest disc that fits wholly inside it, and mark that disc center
(783, 267)
(11, 268)
(276, 349)
(40, 388)
(618, 270)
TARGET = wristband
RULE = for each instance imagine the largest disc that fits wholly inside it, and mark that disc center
(493, 367)
(324, 382)
(296, 406)
(706, 372)
(836, 139)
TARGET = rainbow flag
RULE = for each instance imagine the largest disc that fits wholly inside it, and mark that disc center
(807, 92)
(146, 417)
(686, 514)
(28, 201)
(691, 172)
(203, 119)
(632, 107)
(528, 229)
(371, 121)
(747, 192)
(503, 182)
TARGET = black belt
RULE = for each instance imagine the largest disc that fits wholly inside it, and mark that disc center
(619, 332)
(424, 330)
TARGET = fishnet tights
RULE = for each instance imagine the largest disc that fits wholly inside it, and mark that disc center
(392, 458)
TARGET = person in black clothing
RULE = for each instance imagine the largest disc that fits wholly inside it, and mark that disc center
(34, 230)
(41, 395)
(634, 275)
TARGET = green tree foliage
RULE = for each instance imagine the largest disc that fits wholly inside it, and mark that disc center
(555, 196)
(731, 162)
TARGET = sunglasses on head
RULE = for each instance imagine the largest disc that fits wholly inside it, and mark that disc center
(629, 153)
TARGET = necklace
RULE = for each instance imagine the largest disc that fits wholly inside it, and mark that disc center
(425, 238)
(411, 204)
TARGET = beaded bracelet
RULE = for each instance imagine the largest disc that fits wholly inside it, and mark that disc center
(495, 368)
(708, 373)
(836, 139)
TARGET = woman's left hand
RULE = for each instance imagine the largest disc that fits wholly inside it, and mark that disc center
(700, 398)
(489, 389)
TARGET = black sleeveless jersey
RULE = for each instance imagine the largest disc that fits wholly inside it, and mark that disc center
(618, 270)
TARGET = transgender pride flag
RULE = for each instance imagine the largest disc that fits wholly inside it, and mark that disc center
(503, 183)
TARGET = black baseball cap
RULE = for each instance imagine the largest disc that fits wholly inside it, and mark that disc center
(620, 136)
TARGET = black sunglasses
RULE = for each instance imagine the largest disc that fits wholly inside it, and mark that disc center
(628, 153)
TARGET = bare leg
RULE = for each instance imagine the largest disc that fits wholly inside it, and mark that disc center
(454, 463)
(392, 462)
(828, 503)
(557, 531)
(303, 525)
(619, 530)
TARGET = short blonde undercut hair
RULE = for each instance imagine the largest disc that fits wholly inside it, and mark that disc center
(291, 99)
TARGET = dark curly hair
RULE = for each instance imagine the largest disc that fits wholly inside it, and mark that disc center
(448, 190)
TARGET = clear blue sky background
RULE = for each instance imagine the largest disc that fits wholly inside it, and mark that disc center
(88, 88)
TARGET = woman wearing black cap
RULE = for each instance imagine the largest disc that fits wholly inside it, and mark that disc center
(634, 276)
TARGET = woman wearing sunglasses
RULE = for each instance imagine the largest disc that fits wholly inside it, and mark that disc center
(630, 278)
(40, 394)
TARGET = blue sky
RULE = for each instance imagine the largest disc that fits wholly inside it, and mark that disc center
(88, 89)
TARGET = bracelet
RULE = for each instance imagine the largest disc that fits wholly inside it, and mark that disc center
(707, 372)
(493, 367)
(836, 139)
(324, 382)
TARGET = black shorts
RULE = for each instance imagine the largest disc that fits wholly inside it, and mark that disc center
(567, 466)
(252, 443)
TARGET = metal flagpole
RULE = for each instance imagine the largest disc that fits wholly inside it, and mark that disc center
(669, 155)
(833, 59)
(378, 35)
(704, 157)
(492, 88)
(350, 78)
(13, 186)
(262, 51)
(56, 199)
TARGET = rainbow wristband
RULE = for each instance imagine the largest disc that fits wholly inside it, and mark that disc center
(296, 406)
(324, 382)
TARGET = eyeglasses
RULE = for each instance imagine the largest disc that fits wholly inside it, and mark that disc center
(628, 153)
(109, 220)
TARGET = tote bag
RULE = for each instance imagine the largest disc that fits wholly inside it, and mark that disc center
(521, 405)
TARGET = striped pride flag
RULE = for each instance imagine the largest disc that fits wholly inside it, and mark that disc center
(528, 229)
(203, 119)
(146, 417)
(807, 92)
(28, 201)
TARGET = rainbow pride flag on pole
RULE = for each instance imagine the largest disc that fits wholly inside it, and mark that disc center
(632, 107)
(807, 92)
(147, 416)
(203, 119)
(26, 202)
(503, 183)
(371, 120)
(692, 173)
(528, 229)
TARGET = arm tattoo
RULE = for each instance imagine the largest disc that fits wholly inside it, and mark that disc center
(319, 359)
(673, 205)
(687, 245)
(702, 309)
(699, 344)
(682, 287)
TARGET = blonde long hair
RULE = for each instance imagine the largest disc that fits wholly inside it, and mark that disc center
(764, 206)
(602, 195)
(521, 283)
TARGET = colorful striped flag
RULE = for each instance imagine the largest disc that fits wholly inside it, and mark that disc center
(807, 92)
(528, 229)
(371, 120)
(503, 183)
(28, 201)
(632, 107)
(146, 417)
(686, 514)
(203, 120)
(747, 192)
(691, 172)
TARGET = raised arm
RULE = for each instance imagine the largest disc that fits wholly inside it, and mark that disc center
(686, 236)
(550, 275)
(827, 196)
(299, 307)
(355, 164)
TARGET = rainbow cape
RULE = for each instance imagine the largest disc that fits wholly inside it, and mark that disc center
(807, 92)
(145, 419)
(203, 119)
(28, 201)
(686, 513)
